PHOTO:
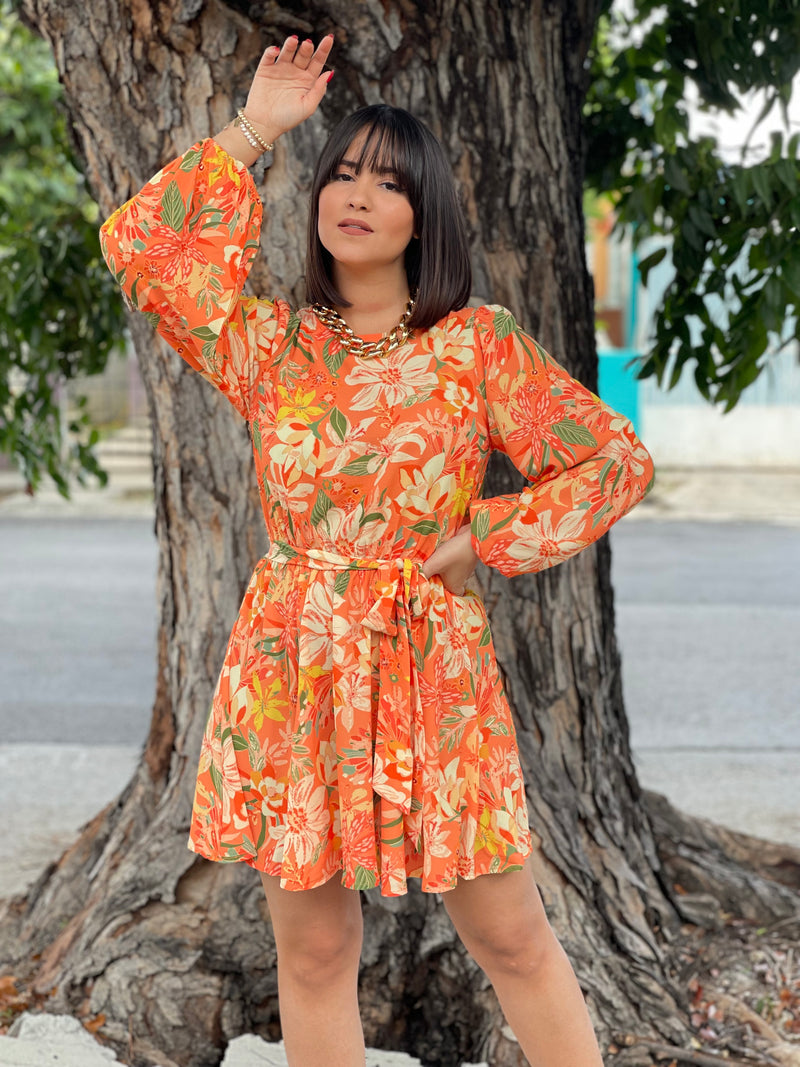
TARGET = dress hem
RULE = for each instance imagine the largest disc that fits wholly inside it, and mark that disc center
(276, 873)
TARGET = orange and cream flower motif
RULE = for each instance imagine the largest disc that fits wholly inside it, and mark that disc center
(393, 378)
(352, 692)
(298, 451)
(291, 494)
(632, 456)
(347, 529)
(316, 639)
(450, 788)
(392, 772)
(351, 443)
(545, 541)
(457, 648)
(177, 253)
(359, 839)
(271, 790)
(437, 835)
(307, 818)
(400, 445)
(424, 489)
(234, 810)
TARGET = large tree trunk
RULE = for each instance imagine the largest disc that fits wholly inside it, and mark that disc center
(174, 951)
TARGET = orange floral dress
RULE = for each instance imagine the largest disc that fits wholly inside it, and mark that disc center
(360, 722)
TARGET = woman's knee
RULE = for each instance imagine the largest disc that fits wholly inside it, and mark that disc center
(318, 932)
(505, 932)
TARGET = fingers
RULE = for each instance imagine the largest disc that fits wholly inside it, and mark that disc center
(302, 55)
(316, 93)
(287, 52)
(269, 56)
(320, 56)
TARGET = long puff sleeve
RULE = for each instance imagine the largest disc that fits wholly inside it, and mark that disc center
(586, 465)
(181, 250)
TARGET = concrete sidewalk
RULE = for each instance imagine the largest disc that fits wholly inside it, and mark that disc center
(703, 495)
(60, 1040)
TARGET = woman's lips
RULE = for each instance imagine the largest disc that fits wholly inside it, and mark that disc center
(357, 229)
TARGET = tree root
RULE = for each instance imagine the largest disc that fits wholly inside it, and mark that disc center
(660, 1052)
(712, 871)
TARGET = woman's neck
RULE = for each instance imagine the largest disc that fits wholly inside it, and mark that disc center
(376, 302)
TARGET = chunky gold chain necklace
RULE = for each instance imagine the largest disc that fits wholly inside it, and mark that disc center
(357, 345)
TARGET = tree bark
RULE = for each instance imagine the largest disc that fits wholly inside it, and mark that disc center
(176, 952)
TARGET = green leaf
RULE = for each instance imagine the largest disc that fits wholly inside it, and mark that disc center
(425, 527)
(333, 361)
(322, 506)
(173, 210)
(364, 879)
(675, 176)
(339, 423)
(788, 174)
(341, 582)
(702, 220)
(358, 466)
(791, 270)
(647, 264)
(504, 324)
(574, 433)
(740, 182)
(481, 527)
(190, 160)
(761, 184)
(216, 779)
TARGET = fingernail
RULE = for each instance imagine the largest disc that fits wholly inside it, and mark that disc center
(330, 75)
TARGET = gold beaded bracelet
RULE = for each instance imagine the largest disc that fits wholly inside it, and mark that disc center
(250, 132)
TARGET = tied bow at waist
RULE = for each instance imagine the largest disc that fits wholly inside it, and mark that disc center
(398, 593)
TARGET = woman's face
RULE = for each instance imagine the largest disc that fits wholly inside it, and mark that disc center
(365, 218)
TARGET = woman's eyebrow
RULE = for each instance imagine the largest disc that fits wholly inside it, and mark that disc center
(353, 165)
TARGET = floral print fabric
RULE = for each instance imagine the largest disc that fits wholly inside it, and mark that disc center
(360, 723)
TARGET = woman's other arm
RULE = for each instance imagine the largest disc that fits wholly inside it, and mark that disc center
(586, 465)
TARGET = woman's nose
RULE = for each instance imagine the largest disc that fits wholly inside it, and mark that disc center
(357, 195)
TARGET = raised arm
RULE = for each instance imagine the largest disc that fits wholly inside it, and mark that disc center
(288, 86)
(182, 247)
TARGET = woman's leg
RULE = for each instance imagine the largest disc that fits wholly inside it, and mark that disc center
(501, 920)
(318, 935)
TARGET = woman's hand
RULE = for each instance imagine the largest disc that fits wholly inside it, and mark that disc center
(454, 561)
(288, 85)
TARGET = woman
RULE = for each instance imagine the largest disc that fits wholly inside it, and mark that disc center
(359, 724)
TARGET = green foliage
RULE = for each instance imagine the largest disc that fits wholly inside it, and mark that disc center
(732, 227)
(59, 311)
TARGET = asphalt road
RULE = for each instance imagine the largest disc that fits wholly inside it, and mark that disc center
(708, 619)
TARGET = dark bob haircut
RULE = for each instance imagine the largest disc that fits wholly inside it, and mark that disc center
(437, 260)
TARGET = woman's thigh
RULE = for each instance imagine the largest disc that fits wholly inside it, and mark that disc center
(324, 922)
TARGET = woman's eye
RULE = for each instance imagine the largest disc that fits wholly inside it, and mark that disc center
(391, 186)
(342, 176)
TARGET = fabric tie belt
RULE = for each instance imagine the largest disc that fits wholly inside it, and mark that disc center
(398, 593)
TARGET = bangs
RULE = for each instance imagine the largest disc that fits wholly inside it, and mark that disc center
(384, 150)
